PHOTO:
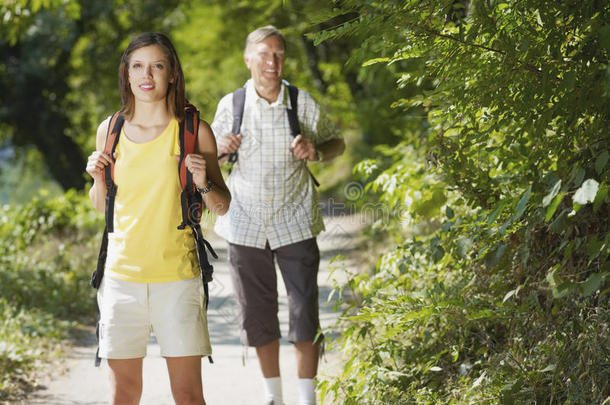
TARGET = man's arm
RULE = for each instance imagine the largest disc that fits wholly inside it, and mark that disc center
(221, 127)
(330, 149)
(303, 148)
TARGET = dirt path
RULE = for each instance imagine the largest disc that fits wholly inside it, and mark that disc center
(234, 378)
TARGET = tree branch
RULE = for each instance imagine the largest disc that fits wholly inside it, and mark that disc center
(430, 31)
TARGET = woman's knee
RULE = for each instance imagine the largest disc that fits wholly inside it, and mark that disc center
(126, 377)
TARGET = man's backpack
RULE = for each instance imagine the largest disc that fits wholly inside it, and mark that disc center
(239, 101)
(190, 199)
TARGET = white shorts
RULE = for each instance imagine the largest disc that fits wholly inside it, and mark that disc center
(174, 311)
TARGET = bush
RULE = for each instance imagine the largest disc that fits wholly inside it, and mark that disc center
(502, 295)
(48, 250)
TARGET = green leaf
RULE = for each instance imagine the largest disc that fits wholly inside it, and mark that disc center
(594, 247)
(438, 253)
(586, 193)
(553, 207)
(494, 214)
(578, 174)
(604, 37)
(511, 293)
(600, 197)
(549, 197)
(523, 203)
(464, 245)
(591, 284)
(449, 212)
(494, 256)
(376, 60)
(455, 354)
(600, 162)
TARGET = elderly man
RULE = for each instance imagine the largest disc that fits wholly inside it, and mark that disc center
(270, 130)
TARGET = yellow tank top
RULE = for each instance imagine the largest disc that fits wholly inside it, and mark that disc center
(146, 246)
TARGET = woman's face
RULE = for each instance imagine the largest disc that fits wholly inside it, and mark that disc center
(149, 73)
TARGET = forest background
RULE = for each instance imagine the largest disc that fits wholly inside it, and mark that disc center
(478, 138)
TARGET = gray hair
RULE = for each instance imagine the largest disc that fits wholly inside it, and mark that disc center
(261, 33)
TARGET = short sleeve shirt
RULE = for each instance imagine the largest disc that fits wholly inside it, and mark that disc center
(273, 198)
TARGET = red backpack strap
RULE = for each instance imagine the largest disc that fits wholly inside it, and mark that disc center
(112, 139)
(188, 143)
(190, 198)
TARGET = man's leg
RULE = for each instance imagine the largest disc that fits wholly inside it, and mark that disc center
(307, 358)
(255, 284)
(269, 359)
(185, 379)
(126, 381)
(299, 264)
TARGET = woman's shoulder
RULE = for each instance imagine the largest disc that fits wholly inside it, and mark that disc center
(102, 130)
(103, 126)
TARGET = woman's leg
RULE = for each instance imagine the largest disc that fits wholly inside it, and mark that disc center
(126, 381)
(185, 379)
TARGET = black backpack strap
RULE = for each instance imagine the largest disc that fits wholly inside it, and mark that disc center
(98, 274)
(111, 187)
(239, 101)
(191, 200)
(293, 120)
(112, 139)
(207, 270)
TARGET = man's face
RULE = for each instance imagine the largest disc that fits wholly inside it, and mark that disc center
(265, 59)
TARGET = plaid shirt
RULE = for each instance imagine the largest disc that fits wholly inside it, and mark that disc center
(272, 195)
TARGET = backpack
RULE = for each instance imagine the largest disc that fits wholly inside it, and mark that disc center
(239, 100)
(191, 200)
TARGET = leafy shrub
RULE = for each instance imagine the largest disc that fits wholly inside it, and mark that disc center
(502, 295)
(47, 252)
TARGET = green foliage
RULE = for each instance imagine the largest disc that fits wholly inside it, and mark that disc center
(25, 336)
(503, 295)
(58, 73)
(47, 253)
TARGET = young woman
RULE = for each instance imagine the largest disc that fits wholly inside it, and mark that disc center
(151, 276)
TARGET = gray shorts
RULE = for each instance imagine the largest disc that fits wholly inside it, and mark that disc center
(255, 282)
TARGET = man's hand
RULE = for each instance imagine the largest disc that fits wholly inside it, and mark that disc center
(303, 148)
(228, 143)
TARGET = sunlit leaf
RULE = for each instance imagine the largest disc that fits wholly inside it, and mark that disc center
(553, 207)
(591, 284)
(601, 161)
(586, 193)
(523, 203)
(549, 197)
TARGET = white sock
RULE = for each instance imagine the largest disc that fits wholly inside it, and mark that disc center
(308, 391)
(273, 390)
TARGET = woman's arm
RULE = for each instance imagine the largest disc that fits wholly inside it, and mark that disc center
(95, 167)
(204, 167)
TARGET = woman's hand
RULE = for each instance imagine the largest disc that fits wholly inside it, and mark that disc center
(96, 163)
(195, 164)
